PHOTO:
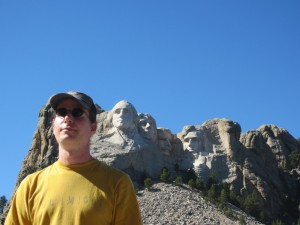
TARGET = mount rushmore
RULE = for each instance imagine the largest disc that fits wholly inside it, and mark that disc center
(256, 161)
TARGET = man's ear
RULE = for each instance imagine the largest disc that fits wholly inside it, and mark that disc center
(94, 127)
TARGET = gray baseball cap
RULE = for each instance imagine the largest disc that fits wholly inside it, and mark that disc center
(85, 100)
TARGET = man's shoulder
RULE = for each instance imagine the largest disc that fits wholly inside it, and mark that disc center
(111, 171)
(33, 177)
(109, 168)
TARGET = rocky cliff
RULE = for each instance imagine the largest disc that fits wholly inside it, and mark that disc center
(257, 161)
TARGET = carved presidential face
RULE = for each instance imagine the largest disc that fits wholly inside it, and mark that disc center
(147, 127)
(124, 116)
(192, 142)
(164, 140)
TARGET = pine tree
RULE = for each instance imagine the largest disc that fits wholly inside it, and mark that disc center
(199, 184)
(165, 176)
(242, 220)
(223, 198)
(251, 205)
(211, 193)
(148, 183)
(232, 198)
(178, 181)
(191, 183)
(294, 159)
(3, 202)
(212, 180)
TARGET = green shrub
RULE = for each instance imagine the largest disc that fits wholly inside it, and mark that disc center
(178, 181)
(242, 220)
(3, 202)
(294, 159)
(232, 198)
(191, 183)
(251, 205)
(223, 198)
(165, 176)
(199, 184)
(212, 180)
(229, 212)
(148, 183)
(211, 193)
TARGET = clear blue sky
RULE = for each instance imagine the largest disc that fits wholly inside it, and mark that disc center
(184, 62)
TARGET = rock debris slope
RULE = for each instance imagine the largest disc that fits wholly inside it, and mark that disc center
(169, 204)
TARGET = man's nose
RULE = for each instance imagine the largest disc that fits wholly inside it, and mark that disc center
(68, 118)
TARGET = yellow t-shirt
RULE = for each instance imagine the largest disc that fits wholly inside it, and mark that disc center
(86, 194)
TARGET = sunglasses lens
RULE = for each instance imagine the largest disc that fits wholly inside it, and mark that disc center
(77, 112)
(62, 112)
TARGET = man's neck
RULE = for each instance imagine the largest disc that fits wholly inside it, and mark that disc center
(70, 157)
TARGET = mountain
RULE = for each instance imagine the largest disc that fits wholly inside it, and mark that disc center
(262, 162)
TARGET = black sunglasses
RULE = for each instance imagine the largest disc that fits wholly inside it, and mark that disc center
(76, 113)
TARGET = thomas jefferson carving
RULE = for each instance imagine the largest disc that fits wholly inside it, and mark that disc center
(147, 127)
(164, 137)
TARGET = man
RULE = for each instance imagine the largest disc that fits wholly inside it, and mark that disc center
(77, 189)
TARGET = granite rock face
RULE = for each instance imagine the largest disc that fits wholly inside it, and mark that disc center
(256, 161)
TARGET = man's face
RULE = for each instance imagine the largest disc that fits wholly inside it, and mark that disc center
(71, 131)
